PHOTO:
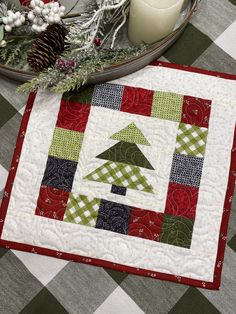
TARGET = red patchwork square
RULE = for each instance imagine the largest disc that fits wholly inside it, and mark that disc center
(181, 200)
(145, 224)
(196, 111)
(73, 116)
(52, 202)
(137, 100)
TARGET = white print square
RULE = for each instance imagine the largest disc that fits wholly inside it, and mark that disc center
(161, 135)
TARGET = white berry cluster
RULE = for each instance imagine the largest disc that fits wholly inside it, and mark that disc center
(43, 14)
(13, 20)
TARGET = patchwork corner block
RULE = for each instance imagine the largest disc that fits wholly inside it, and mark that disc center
(108, 96)
(167, 106)
(186, 170)
(59, 173)
(113, 217)
(196, 111)
(137, 101)
(66, 144)
(73, 116)
(177, 231)
(145, 224)
(191, 140)
(83, 95)
(51, 202)
(82, 210)
(181, 200)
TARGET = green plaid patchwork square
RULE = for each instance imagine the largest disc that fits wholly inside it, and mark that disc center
(167, 106)
(121, 175)
(191, 140)
(82, 210)
(66, 144)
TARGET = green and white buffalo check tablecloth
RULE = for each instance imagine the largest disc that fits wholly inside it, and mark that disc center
(30, 283)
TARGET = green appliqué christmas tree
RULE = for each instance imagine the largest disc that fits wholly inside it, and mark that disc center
(122, 170)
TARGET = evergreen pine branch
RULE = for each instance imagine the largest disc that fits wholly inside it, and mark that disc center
(15, 52)
(13, 55)
(3, 54)
(44, 80)
(61, 82)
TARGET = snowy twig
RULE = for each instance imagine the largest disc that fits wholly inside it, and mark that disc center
(105, 7)
(118, 28)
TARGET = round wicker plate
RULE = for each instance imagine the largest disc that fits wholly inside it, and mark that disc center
(128, 66)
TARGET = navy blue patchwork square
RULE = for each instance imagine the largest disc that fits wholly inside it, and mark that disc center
(108, 96)
(186, 170)
(59, 173)
(113, 216)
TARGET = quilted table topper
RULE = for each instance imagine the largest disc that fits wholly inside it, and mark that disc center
(135, 175)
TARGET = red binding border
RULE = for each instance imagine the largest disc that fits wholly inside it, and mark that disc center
(194, 70)
(102, 263)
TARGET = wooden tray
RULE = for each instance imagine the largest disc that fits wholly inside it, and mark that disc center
(128, 66)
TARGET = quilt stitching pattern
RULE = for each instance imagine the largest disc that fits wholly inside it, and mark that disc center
(137, 100)
(196, 111)
(59, 173)
(125, 161)
(108, 96)
(82, 210)
(177, 230)
(113, 217)
(186, 170)
(167, 106)
(191, 140)
(130, 134)
(128, 153)
(66, 144)
(52, 202)
(145, 224)
(181, 200)
(73, 116)
(121, 175)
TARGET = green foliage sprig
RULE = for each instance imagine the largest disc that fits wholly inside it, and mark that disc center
(90, 46)
(15, 51)
(59, 82)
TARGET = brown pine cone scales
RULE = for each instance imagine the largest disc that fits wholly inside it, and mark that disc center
(47, 47)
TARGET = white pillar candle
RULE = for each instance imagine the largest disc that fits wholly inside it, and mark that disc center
(151, 20)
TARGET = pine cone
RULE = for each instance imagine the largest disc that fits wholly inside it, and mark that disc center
(47, 47)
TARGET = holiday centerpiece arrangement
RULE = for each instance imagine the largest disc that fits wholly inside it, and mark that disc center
(63, 48)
